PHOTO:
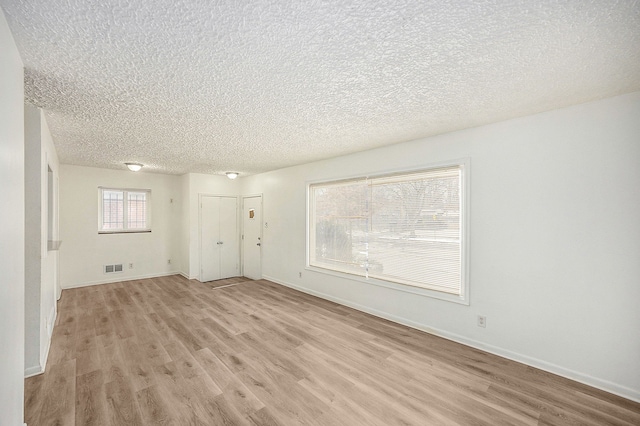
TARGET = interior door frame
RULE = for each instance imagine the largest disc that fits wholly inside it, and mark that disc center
(242, 233)
(238, 226)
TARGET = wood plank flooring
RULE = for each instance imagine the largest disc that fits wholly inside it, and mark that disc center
(169, 351)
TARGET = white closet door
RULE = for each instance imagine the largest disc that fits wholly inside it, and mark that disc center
(219, 242)
(209, 238)
(230, 247)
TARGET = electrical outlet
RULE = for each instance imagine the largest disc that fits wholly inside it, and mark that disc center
(131, 266)
(482, 321)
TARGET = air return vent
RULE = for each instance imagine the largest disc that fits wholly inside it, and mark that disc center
(110, 269)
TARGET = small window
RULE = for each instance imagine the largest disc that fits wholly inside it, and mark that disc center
(407, 229)
(124, 210)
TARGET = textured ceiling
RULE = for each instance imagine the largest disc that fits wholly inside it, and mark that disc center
(211, 86)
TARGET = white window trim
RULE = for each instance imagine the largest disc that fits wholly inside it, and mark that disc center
(463, 298)
(125, 191)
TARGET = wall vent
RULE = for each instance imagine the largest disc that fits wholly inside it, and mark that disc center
(110, 269)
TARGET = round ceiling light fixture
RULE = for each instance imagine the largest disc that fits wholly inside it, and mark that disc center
(134, 167)
(232, 175)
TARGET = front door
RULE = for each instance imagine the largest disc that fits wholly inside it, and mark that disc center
(252, 241)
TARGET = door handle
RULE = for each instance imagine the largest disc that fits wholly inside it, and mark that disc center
(258, 244)
(219, 242)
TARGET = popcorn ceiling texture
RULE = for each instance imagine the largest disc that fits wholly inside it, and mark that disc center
(210, 86)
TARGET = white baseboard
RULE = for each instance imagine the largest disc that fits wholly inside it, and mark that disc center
(44, 355)
(52, 320)
(184, 274)
(120, 278)
(605, 385)
(33, 371)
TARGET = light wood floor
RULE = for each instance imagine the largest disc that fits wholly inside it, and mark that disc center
(172, 351)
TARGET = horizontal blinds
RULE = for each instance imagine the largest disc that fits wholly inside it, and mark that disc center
(401, 228)
(112, 209)
(340, 222)
(137, 210)
(447, 172)
(124, 210)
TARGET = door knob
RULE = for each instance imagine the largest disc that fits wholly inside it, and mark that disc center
(258, 244)
(219, 242)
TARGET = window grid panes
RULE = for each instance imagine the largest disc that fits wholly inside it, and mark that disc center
(124, 210)
(137, 214)
(401, 228)
(112, 210)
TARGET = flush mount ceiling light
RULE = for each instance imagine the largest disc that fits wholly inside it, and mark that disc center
(232, 175)
(134, 167)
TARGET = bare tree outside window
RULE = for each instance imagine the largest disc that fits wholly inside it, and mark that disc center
(403, 228)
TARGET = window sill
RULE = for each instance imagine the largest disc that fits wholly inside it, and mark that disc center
(145, 231)
(425, 292)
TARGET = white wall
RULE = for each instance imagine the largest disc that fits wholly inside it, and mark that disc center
(50, 258)
(555, 239)
(33, 237)
(184, 265)
(12, 245)
(41, 264)
(197, 184)
(84, 252)
(175, 225)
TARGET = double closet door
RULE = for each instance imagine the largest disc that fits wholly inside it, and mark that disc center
(219, 242)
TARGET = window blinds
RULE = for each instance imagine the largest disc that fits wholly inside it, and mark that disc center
(404, 228)
(123, 210)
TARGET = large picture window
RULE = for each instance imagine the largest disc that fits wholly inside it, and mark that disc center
(404, 228)
(124, 210)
